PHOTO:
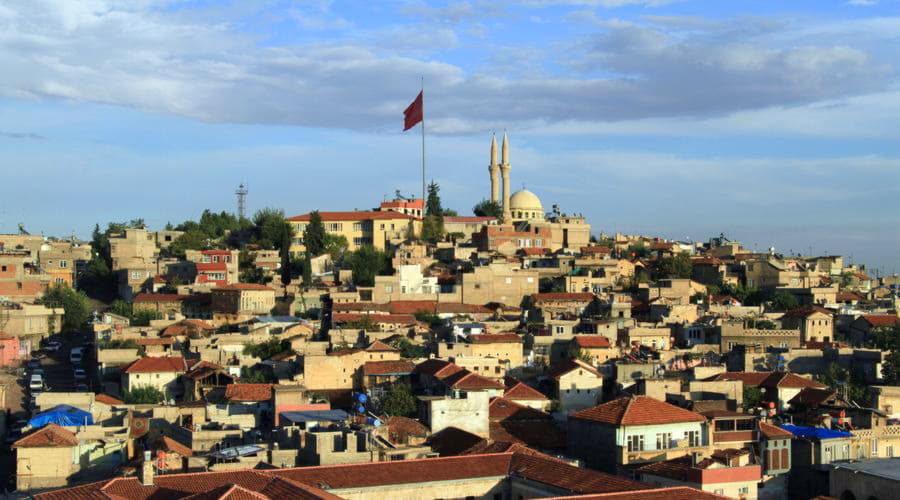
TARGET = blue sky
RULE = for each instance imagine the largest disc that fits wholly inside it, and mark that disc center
(774, 122)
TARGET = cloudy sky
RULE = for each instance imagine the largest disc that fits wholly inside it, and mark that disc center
(774, 122)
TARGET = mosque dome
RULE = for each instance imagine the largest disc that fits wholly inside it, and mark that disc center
(525, 205)
(525, 200)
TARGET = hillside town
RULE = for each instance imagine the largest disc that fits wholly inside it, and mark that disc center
(410, 351)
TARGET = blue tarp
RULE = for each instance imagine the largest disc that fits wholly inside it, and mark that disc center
(65, 415)
(814, 432)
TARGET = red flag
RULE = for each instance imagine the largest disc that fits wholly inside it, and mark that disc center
(413, 113)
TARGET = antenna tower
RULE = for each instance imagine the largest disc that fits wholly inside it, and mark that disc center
(242, 200)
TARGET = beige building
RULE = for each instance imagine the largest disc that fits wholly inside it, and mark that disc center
(736, 333)
(29, 322)
(816, 324)
(46, 458)
(243, 298)
(504, 347)
(135, 259)
(578, 384)
(21, 279)
(503, 283)
(160, 373)
(380, 230)
(343, 369)
(407, 283)
(770, 273)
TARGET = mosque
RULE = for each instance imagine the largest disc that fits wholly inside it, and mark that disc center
(524, 216)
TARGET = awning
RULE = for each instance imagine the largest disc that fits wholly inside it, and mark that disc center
(237, 451)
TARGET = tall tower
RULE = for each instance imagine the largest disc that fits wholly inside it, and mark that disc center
(242, 200)
(504, 170)
(494, 169)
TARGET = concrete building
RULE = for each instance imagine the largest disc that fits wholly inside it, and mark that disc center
(407, 283)
(161, 373)
(243, 298)
(505, 284)
(816, 324)
(30, 323)
(343, 369)
(577, 385)
(504, 347)
(46, 458)
(381, 229)
(870, 479)
(738, 333)
(731, 475)
(633, 430)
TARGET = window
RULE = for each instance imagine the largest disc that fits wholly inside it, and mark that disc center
(205, 259)
(874, 447)
(334, 226)
(744, 490)
(509, 281)
(530, 279)
(636, 443)
(215, 258)
(693, 438)
(63, 264)
(3, 268)
(663, 440)
(388, 289)
(136, 275)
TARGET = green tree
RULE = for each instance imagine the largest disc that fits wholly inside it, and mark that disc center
(366, 262)
(314, 237)
(575, 352)
(638, 250)
(784, 301)
(488, 208)
(678, 266)
(143, 317)
(271, 229)
(433, 204)
(335, 244)
(845, 383)
(433, 229)
(256, 375)
(307, 269)
(890, 370)
(884, 337)
(399, 401)
(146, 394)
(121, 308)
(408, 349)
(193, 239)
(74, 304)
(753, 397)
(267, 349)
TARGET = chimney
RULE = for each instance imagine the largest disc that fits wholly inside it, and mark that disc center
(147, 469)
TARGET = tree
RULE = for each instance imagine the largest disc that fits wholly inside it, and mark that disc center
(146, 394)
(366, 262)
(433, 229)
(890, 370)
(143, 317)
(488, 208)
(638, 250)
(675, 267)
(408, 349)
(267, 349)
(884, 337)
(784, 301)
(399, 401)
(433, 204)
(753, 397)
(844, 382)
(335, 244)
(307, 269)
(257, 375)
(74, 304)
(193, 239)
(270, 229)
(575, 352)
(121, 308)
(314, 237)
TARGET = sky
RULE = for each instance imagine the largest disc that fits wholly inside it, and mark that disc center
(773, 122)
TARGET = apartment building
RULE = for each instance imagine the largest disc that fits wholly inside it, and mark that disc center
(380, 229)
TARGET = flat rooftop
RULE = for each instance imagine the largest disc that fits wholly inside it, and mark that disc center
(888, 468)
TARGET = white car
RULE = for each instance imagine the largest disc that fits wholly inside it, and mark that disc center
(53, 346)
(36, 383)
(80, 374)
(76, 355)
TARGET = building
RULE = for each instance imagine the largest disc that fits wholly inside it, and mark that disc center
(31, 323)
(596, 347)
(407, 206)
(467, 226)
(778, 387)
(738, 333)
(864, 480)
(408, 283)
(816, 324)
(379, 229)
(577, 385)
(502, 283)
(216, 267)
(165, 304)
(159, 372)
(135, 259)
(243, 298)
(21, 279)
(45, 458)
(632, 430)
(862, 326)
(343, 369)
(730, 474)
(504, 347)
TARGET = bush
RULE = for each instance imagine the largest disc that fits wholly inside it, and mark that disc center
(399, 401)
(117, 344)
(408, 349)
(267, 349)
(143, 317)
(143, 395)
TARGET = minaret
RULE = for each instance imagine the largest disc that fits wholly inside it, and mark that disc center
(504, 170)
(493, 168)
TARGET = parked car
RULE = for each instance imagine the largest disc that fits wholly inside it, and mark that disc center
(53, 346)
(80, 374)
(36, 383)
(76, 355)
(32, 364)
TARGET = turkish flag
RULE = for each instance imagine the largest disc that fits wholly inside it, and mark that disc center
(413, 113)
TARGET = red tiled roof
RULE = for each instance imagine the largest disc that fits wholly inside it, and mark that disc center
(158, 297)
(245, 286)
(412, 306)
(673, 493)
(568, 477)
(375, 318)
(507, 409)
(456, 308)
(563, 297)
(881, 319)
(414, 203)
(352, 216)
(437, 368)
(451, 441)
(464, 380)
(769, 380)
(248, 392)
(848, 297)
(400, 367)
(520, 391)
(49, 436)
(595, 249)
(401, 428)
(637, 410)
(157, 341)
(534, 251)
(496, 338)
(565, 366)
(541, 434)
(772, 432)
(107, 399)
(379, 346)
(592, 341)
(750, 379)
(810, 396)
(153, 364)
(463, 219)
(806, 311)
(170, 445)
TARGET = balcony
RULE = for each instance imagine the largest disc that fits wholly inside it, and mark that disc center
(735, 436)
(623, 456)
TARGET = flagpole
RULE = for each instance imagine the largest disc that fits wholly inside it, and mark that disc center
(423, 145)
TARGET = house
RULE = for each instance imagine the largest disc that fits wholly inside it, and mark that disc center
(775, 449)
(214, 266)
(525, 395)
(577, 385)
(203, 377)
(816, 324)
(379, 229)
(560, 303)
(511, 422)
(632, 430)
(596, 347)
(30, 322)
(243, 298)
(165, 304)
(172, 456)
(740, 333)
(730, 473)
(378, 376)
(862, 326)
(46, 458)
(248, 405)
(343, 369)
(779, 387)
(161, 373)
(505, 347)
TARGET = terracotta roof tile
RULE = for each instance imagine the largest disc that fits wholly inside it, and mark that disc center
(398, 367)
(569, 477)
(810, 396)
(881, 319)
(107, 399)
(154, 364)
(248, 392)
(772, 432)
(464, 380)
(156, 341)
(169, 445)
(592, 341)
(49, 436)
(563, 297)
(674, 493)
(412, 306)
(637, 410)
(506, 409)
(519, 391)
(400, 429)
(565, 366)
(379, 346)
(437, 368)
